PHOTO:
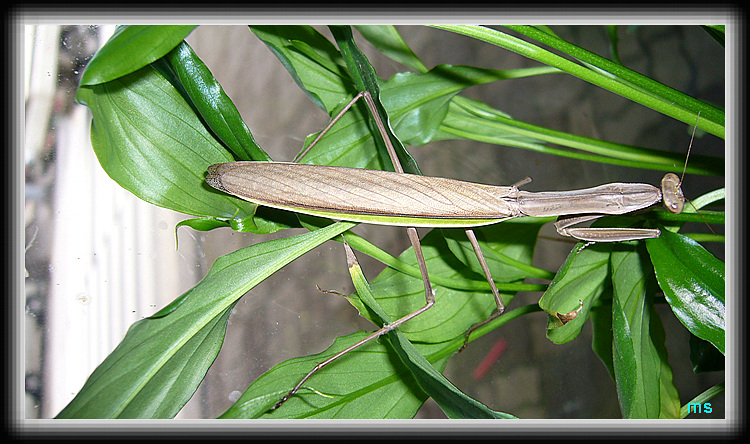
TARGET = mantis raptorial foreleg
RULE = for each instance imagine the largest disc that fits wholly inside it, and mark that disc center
(564, 226)
(673, 199)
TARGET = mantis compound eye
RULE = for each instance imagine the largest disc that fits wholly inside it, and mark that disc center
(672, 195)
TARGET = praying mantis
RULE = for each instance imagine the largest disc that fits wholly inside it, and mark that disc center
(396, 198)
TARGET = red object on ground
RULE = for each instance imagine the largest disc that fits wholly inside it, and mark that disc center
(489, 360)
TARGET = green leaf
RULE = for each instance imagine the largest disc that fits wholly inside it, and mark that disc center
(149, 140)
(693, 283)
(130, 49)
(473, 120)
(602, 339)
(162, 359)
(416, 104)
(318, 68)
(577, 286)
(312, 60)
(370, 382)
(388, 41)
(214, 106)
(669, 397)
(203, 223)
(642, 372)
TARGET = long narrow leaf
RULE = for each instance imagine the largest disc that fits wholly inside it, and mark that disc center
(371, 380)
(468, 119)
(311, 60)
(642, 373)
(688, 107)
(661, 99)
(162, 359)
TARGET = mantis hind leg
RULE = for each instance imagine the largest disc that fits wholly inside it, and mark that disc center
(498, 300)
(430, 301)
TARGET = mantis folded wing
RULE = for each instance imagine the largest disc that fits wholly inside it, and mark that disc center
(396, 198)
(388, 198)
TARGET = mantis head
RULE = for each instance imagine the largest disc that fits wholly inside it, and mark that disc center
(671, 192)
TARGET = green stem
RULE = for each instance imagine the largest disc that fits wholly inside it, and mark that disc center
(702, 398)
(364, 246)
(455, 344)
